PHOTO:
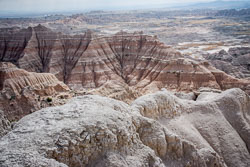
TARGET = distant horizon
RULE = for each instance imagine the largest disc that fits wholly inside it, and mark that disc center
(29, 8)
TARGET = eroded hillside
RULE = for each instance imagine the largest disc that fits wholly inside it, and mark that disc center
(136, 60)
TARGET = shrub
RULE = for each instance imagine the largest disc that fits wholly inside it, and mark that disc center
(49, 99)
(13, 97)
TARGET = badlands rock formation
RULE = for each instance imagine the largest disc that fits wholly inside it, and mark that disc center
(23, 92)
(235, 62)
(158, 129)
(13, 41)
(138, 61)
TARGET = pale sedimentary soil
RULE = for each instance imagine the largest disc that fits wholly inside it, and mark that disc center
(157, 129)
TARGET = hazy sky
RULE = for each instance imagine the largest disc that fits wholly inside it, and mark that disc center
(69, 5)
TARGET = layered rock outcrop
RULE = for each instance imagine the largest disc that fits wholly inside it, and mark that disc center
(158, 129)
(13, 42)
(23, 92)
(136, 60)
(235, 62)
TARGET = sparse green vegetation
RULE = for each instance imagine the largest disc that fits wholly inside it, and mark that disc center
(13, 97)
(49, 99)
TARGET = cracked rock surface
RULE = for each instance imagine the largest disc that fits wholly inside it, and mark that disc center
(4, 124)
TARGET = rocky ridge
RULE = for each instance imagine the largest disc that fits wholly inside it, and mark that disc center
(23, 92)
(233, 12)
(235, 62)
(157, 129)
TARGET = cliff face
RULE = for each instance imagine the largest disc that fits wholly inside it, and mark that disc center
(22, 92)
(13, 41)
(155, 130)
(138, 61)
(48, 51)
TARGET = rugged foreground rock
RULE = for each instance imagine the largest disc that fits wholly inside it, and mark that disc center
(4, 124)
(158, 129)
(23, 92)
